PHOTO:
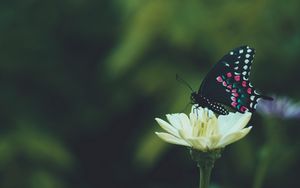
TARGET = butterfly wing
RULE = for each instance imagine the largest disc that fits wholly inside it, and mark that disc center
(228, 81)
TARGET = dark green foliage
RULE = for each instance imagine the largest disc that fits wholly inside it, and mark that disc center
(82, 81)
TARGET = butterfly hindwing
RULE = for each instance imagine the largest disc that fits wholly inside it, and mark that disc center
(243, 97)
(228, 81)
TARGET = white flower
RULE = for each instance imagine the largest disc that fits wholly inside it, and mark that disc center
(202, 130)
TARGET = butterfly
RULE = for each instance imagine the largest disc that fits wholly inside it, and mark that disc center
(227, 83)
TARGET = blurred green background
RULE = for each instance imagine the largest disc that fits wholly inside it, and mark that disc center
(82, 81)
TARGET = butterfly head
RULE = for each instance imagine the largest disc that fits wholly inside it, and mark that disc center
(193, 97)
(197, 99)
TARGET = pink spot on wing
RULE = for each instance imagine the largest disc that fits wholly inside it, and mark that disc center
(244, 83)
(235, 94)
(233, 99)
(234, 104)
(249, 90)
(224, 83)
(219, 79)
(229, 74)
(229, 86)
(234, 91)
(237, 78)
(243, 109)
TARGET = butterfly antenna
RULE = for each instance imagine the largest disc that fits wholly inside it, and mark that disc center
(179, 79)
(266, 97)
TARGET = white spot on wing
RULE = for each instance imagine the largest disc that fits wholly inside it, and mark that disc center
(231, 53)
(247, 55)
(241, 51)
(244, 73)
(244, 78)
(252, 97)
(249, 50)
(245, 67)
(237, 62)
(246, 61)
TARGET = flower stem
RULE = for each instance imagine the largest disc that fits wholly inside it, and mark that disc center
(205, 162)
(205, 172)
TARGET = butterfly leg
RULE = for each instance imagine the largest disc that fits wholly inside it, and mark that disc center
(196, 106)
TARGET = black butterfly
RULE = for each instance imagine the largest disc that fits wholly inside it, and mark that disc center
(227, 83)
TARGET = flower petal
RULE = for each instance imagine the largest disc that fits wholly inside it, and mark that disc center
(174, 120)
(171, 139)
(226, 121)
(242, 122)
(183, 134)
(185, 124)
(214, 141)
(233, 137)
(167, 127)
(199, 143)
(212, 127)
(233, 122)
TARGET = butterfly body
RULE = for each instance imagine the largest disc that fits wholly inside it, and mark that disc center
(203, 101)
(227, 83)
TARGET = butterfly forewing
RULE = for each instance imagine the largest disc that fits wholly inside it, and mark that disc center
(240, 61)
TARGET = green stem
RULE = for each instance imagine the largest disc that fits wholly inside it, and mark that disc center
(205, 172)
(205, 162)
